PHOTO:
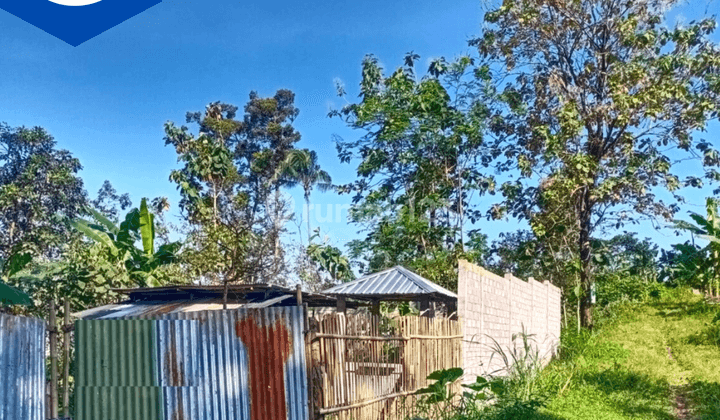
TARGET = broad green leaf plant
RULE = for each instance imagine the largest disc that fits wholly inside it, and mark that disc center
(142, 264)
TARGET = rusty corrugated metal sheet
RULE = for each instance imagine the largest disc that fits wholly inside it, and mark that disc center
(22, 368)
(226, 365)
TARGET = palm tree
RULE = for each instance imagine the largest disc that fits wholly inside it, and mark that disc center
(301, 166)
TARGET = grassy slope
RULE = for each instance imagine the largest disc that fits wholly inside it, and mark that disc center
(626, 371)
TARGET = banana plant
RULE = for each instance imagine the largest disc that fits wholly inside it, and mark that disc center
(708, 228)
(330, 259)
(9, 295)
(138, 226)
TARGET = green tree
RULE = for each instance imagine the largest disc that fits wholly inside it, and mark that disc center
(109, 202)
(9, 295)
(39, 187)
(212, 201)
(418, 163)
(231, 183)
(259, 150)
(627, 255)
(330, 261)
(600, 99)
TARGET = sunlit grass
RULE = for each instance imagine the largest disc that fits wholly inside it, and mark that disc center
(629, 369)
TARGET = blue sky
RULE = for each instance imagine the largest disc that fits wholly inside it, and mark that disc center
(106, 100)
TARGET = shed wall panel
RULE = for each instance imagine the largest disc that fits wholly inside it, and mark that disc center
(22, 368)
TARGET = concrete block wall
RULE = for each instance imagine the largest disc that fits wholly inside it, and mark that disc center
(493, 308)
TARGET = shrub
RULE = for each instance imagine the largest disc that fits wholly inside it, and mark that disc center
(515, 392)
(621, 287)
(518, 391)
(710, 334)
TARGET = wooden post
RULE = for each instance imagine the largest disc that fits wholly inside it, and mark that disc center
(309, 363)
(375, 307)
(66, 359)
(298, 296)
(425, 307)
(52, 328)
(225, 293)
(341, 304)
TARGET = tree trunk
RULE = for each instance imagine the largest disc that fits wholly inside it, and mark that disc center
(462, 211)
(578, 321)
(215, 197)
(586, 305)
(225, 294)
(307, 206)
(276, 226)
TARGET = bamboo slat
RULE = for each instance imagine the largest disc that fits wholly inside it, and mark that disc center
(369, 368)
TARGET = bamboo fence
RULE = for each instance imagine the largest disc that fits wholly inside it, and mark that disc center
(368, 367)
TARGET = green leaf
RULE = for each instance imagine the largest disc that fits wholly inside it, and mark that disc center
(447, 375)
(10, 296)
(109, 225)
(147, 228)
(479, 384)
(17, 262)
(83, 227)
(497, 387)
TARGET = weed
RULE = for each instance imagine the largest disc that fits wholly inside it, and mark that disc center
(517, 389)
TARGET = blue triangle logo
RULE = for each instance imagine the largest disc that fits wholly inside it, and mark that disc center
(76, 21)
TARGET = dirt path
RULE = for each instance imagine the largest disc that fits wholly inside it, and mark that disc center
(679, 395)
(681, 407)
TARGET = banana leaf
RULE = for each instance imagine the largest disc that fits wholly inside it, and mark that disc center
(96, 235)
(10, 296)
(147, 229)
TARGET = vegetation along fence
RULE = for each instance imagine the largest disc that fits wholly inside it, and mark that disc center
(22, 368)
(368, 367)
(246, 364)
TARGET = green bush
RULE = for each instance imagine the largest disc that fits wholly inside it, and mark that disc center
(515, 392)
(709, 335)
(518, 391)
(621, 287)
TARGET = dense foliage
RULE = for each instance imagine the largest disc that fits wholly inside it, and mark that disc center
(600, 99)
(39, 186)
(418, 163)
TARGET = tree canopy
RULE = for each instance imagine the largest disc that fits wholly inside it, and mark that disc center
(39, 187)
(418, 162)
(601, 100)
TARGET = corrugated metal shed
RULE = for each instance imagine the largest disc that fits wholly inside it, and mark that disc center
(204, 365)
(22, 368)
(394, 283)
(157, 301)
(238, 293)
(149, 309)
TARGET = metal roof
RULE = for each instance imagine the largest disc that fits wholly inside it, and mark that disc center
(396, 282)
(154, 301)
(149, 309)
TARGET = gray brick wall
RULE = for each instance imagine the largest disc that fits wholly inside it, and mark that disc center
(492, 309)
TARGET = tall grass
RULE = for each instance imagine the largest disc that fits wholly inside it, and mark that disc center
(512, 391)
(517, 387)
